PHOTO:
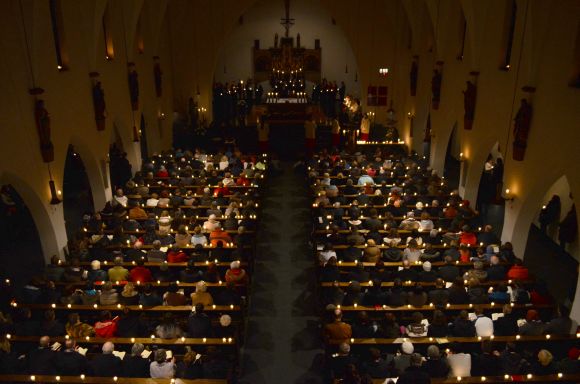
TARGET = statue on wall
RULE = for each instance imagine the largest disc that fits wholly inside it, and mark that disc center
(469, 99)
(436, 88)
(413, 75)
(99, 105)
(157, 75)
(133, 86)
(522, 123)
(42, 120)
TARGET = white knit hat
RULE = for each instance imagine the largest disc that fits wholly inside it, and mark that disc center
(407, 347)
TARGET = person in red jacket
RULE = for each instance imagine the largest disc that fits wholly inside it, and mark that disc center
(107, 326)
(140, 273)
(218, 234)
(176, 255)
(518, 271)
(467, 237)
(464, 254)
(162, 172)
(221, 190)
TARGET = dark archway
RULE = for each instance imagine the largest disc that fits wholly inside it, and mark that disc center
(452, 167)
(77, 193)
(21, 255)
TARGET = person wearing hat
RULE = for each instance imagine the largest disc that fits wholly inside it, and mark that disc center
(427, 275)
(236, 274)
(533, 325)
(225, 329)
(201, 295)
(402, 360)
(415, 373)
(96, 273)
(210, 224)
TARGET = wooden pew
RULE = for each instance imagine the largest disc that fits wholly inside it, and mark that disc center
(120, 307)
(91, 340)
(101, 380)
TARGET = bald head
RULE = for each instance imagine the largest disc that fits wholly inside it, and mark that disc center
(108, 347)
(44, 341)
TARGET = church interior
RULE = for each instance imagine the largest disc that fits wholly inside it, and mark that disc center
(289, 191)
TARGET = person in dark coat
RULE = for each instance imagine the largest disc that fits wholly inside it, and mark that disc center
(135, 365)
(41, 360)
(198, 324)
(69, 362)
(377, 367)
(462, 326)
(449, 271)
(414, 374)
(106, 364)
(488, 362)
(435, 366)
(507, 325)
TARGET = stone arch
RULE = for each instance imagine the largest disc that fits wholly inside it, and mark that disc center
(39, 210)
(97, 171)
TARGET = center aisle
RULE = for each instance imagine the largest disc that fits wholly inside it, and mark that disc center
(282, 335)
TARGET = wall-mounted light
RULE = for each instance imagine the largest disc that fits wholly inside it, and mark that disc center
(508, 195)
(462, 157)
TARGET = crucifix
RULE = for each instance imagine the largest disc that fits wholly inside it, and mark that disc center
(287, 22)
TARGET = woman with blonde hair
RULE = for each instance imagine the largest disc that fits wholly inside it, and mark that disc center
(129, 295)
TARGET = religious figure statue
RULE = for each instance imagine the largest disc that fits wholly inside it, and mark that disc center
(134, 87)
(157, 74)
(99, 105)
(522, 123)
(469, 98)
(392, 133)
(276, 40)
(42, 120)
(413, 75)
(436, 88)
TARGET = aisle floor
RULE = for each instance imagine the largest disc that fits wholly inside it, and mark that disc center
(283, 338)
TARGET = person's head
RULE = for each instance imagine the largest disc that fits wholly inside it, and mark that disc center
(344, 348)
(433, 352)
(225, 320)
(49, 315)
(137, 349)
(95, 265)
(70, 344)
(407, 347)
(545, 357)
(235, 264)
(160, 356)
(337, 315)
(416, 360)
(463, 315)
(439, 318)
(105, 316)
(44, 342)
(449, 259)
(427, 266)
(129, 290)
(532, 315)
(108, 348)
(494, 260)
(200, 287)
(118, 261)
(406, 264)
(74, 318)
(108, 286)
(439, 283)
(478, 310)
(417, 317)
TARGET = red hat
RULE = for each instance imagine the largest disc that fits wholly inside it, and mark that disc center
(532, 315)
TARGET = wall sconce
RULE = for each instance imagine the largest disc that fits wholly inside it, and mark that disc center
(461, 157)
(508, 195)
(54, 194)
(161, 116)
(410, 115)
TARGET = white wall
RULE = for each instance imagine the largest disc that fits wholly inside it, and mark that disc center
(262, 21)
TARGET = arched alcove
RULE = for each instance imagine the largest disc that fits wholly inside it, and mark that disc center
(77, 192)
(21, 255)
(544, 255)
